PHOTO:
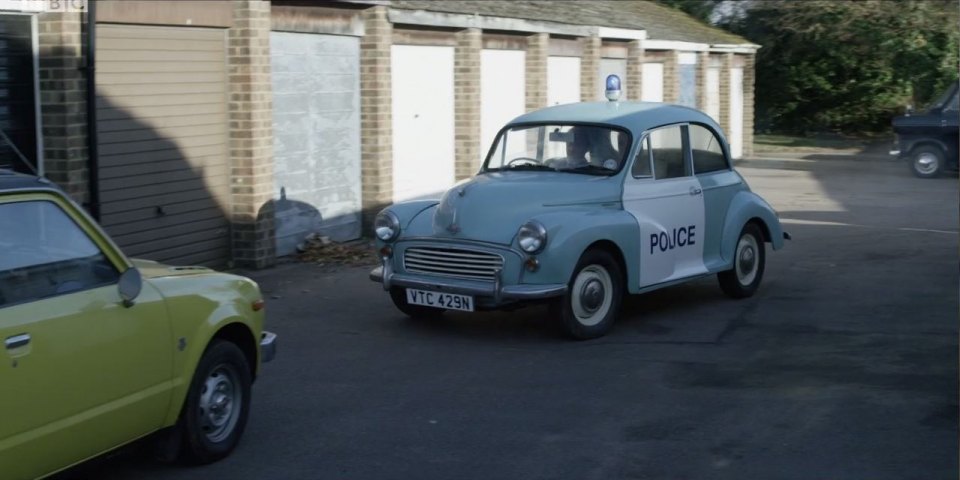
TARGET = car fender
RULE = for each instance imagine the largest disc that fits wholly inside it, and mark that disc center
(744, 207)
(571, 231)
(198, 310)
(406, 212)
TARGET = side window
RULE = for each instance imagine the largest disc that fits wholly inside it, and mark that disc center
(666, 148)
(952, 105)
(706, 150)
(641, 165)
(46, 254)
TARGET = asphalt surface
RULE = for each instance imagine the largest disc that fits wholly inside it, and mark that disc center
(843, 366)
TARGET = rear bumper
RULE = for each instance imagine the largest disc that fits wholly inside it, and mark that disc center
(268, 346)
(495, 290)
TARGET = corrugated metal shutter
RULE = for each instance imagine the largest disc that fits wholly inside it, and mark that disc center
(162, 126)
(18, 112)
(316, 137)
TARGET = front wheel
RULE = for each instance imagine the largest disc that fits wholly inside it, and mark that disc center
(926, 161)
(749, 258)
(217, 405)
(593, 297)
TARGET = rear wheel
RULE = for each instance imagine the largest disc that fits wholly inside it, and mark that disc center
(926, 161)
(399, 297)
(743, 279)
(593, 297)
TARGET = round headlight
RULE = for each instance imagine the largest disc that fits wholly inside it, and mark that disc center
(532, 237)
(386, 226)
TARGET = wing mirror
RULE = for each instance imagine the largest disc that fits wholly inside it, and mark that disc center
(129, 286)
(909, 110)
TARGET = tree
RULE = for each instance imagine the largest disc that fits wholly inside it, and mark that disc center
(700, 9)
(847, 65)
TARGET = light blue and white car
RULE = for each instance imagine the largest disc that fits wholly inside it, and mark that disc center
(578, 205)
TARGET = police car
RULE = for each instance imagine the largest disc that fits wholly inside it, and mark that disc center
(578, 205)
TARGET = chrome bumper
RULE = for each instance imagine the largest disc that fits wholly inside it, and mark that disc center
(468, 287)
(895, 153)
(268, 346)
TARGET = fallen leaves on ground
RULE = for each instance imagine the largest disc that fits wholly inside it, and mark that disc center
(324, 252)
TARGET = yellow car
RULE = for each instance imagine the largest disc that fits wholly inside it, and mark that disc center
(100, 350)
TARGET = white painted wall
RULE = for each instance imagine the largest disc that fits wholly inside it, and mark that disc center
(713, 93)
(563, 80)
(423, 120)
(612, 66)
(502, 89)
(652, 84)
(736, 113)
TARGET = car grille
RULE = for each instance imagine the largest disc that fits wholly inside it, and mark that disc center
(452, 262)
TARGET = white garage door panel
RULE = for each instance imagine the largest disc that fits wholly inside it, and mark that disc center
(713, 93)
(736, 112)
(563, 80)
(163, 142)
(316, 144)
(652, 84)
(502, 87)
(612, 66)
(423, 120)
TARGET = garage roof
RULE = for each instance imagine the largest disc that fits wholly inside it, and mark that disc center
(660, 22)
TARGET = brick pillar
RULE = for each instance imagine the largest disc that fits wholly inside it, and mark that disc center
(725, 92)
(671, 77)
(634, 80)
(703, 64)
(536, 75)
(63, 102)
(590, 69)
(749, 78)
(466, 83)
(376, 121)
(251, 135)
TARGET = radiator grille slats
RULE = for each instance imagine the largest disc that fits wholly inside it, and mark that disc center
(452, 262)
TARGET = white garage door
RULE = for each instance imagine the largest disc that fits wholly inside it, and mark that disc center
(563, 80)
(652, 84)
(736, 112)
(502, 87)
(316, 137)
(423, 120)
(162, 124)
(713, 93)
(612, 66)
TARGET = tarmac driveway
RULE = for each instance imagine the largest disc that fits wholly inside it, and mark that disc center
(843, 366)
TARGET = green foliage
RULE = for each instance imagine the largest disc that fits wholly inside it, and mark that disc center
(847, 65)
(699, 9)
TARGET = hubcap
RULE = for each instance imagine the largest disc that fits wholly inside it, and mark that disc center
(747, 261)
(593, 295)
(926, 163)
(220, 403)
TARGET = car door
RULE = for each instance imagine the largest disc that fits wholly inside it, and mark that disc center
(720, 183)
(80, 373)
(667, 200)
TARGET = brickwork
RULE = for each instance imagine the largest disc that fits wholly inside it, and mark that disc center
(63, 102)
(749, 79)
(251, 135)
(725, 92)
(671, 77)
(466, 81)
(634, 80)
(376, 121)
(589, 69)
(536, 72)
(703, 64)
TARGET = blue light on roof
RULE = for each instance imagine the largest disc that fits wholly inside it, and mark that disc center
(613, 88)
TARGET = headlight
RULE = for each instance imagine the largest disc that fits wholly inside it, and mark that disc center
(532, 237)
(386, 226)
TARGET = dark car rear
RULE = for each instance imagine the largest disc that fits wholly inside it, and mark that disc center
(929, 140)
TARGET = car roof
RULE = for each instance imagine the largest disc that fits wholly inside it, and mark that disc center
(636, 117)
(10, 180)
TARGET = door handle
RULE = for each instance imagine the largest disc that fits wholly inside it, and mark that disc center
(17, 341)
(695, 190)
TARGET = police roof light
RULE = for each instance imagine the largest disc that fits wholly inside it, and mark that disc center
(613, 88)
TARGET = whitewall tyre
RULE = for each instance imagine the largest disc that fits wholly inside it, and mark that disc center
(926, 161)
(749, 261)
(593, 297)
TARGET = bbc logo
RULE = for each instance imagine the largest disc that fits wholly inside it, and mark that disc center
(53, 6)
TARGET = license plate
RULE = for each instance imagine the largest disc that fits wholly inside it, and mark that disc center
(449, 301)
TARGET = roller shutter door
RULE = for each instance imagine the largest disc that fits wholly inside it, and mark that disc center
(18, 109)
(162, 127)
